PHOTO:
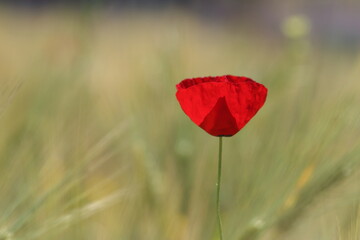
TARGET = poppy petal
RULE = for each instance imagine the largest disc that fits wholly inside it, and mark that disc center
(220, 121)
(221, 105)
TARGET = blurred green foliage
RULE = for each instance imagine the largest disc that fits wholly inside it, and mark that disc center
(93, 144)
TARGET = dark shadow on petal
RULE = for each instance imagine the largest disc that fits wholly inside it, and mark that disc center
(220, 121)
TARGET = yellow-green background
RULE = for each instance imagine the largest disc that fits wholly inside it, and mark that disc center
(93, 144)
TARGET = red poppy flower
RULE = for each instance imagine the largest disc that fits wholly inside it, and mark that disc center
(221, 105)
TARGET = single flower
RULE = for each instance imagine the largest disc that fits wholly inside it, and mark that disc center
(221, 105)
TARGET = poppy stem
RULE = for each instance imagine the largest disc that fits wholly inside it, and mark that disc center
(218, 189)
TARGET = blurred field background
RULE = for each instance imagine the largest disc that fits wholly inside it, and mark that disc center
(93, 144)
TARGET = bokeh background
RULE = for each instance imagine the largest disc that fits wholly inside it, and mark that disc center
(94, 146)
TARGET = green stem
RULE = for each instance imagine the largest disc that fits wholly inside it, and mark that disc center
(218, 189)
